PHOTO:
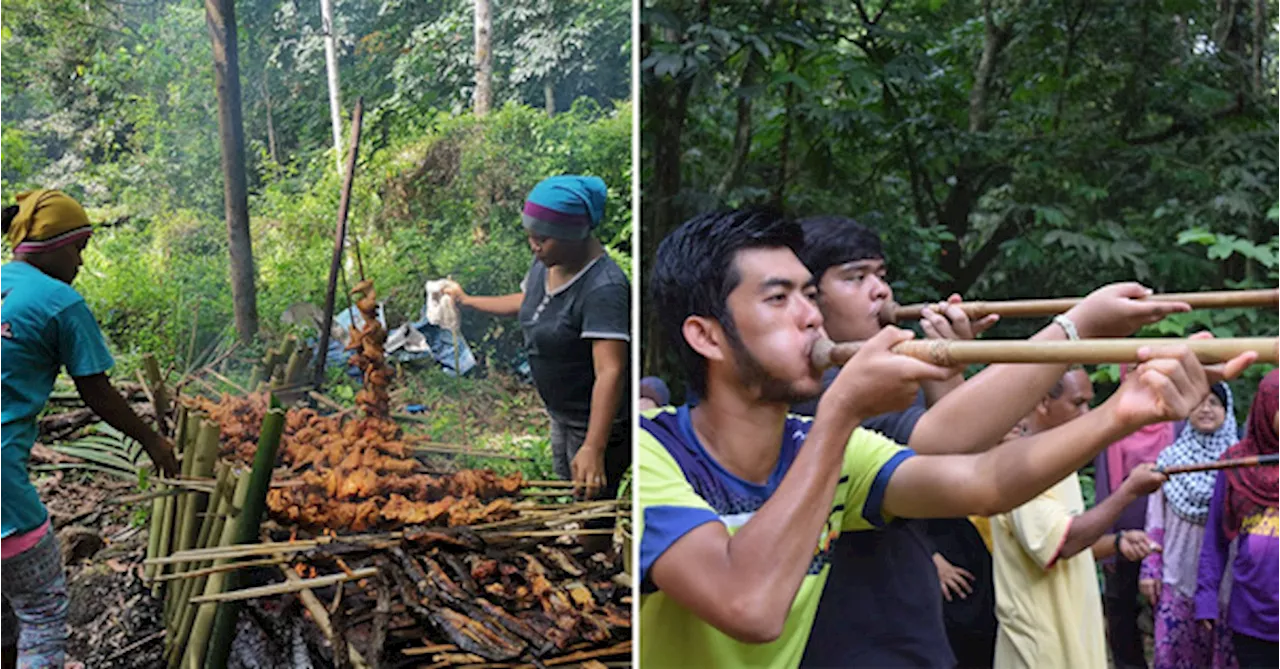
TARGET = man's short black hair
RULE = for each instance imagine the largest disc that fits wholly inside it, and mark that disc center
(694, 273)
(835, 240)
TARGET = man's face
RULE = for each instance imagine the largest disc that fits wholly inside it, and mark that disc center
(777, 324)
(851, 295)
(1077, 393)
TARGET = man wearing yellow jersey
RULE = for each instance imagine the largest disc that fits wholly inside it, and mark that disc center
(739, 501)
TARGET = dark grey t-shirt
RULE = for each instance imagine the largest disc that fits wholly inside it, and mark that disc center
(882, 604)
(559, 328)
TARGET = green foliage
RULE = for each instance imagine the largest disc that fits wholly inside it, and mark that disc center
(1074, 155)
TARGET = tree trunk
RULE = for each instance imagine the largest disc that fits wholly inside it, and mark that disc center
(1259, 43)
(994, 40)
(331, 68)
(484, 59)
(271, 128)
(549, 95)
(220, 16)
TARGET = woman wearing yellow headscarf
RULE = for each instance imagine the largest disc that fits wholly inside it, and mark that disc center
(46, 327)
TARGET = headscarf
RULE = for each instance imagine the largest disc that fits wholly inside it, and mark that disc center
(1189, 494)
(47, 220)
(1141, 446)
(565, 207)
(1250, 489)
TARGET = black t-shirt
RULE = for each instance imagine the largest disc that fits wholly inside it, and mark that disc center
(559, 328)
(882, 604)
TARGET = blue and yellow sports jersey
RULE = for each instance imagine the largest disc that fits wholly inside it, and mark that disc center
(46, 326)
(681, 487)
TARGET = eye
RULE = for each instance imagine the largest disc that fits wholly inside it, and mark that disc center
(776, 298)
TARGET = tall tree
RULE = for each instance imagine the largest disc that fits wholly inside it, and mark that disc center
(220, 15)
(484, 58)
(331, 68)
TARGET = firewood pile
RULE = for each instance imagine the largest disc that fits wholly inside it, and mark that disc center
(415, 566)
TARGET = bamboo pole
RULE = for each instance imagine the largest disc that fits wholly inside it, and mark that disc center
(169, 505)
(340, 237)
(206, 571)
(247, 529)
(949, 353)
(203, 619)
(892, 313)
(1251, 461)
(187, 430)
(203, 457)
(221, 504)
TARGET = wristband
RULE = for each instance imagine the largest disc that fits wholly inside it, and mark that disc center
(1067, 326)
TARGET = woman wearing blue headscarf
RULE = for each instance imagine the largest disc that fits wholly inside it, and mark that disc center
(574, 307)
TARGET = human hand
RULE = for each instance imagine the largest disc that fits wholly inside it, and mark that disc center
(955, 580)
(455, 291)
(1134, 545)
(1144, 480)
(876, 380)
(1118, 310)
(1224, 370)
(946, 320)
(162, 454)
(1206, 625)
(1150, 588)
(587, 469)
(1167, 386)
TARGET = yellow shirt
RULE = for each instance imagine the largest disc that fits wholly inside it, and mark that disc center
(1049, 610)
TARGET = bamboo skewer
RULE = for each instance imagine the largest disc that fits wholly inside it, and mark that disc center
(286, 588)
(950, 353)
(892, 313)
(1251, 461)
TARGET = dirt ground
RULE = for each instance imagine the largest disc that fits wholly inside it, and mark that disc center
(113, 620)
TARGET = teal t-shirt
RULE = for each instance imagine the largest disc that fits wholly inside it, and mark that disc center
(45, 326)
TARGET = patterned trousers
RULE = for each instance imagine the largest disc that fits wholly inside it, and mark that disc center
(35, 605)
(1182, 642)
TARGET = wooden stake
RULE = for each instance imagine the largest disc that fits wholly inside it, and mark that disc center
(1251, 461)
(285, 588)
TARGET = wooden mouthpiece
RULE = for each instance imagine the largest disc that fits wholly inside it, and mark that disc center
(951, 353)
(892, 312)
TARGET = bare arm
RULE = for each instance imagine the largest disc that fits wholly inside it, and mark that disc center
(1003, 394)
(98, 393)
(1091, 528)
(609, 358)
(1166, 387)
(744, 584)
(1001, 479)
(498, 305)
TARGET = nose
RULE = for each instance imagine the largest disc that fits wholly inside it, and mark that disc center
(809, 314)
(880, 289)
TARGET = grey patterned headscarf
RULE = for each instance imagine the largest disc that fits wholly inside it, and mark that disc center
(1189, 494)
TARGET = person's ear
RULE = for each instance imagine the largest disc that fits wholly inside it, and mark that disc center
(706, 337)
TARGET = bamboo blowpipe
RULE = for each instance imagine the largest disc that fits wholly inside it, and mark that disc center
(950, 353)
(1251, 461)
(892, 313)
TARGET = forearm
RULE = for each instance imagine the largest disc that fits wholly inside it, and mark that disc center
(1018, 470)
(1001, 394)
(773, 551)
(744, 584)
(497, 305)
(1093, 528)
(606, 397)
(934, 391)
(99, 395)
